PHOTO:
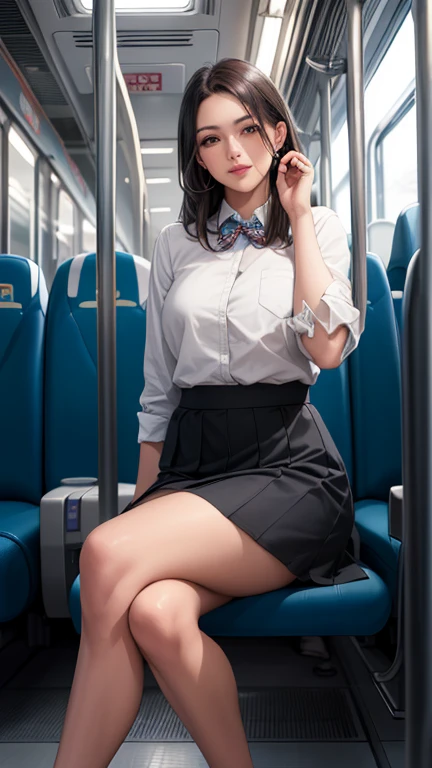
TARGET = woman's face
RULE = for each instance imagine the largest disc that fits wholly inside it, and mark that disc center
(227, 137)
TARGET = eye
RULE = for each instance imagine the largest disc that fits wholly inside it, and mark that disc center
(204, 143)
(252, 128)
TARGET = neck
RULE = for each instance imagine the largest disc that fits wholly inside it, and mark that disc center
(245, 203)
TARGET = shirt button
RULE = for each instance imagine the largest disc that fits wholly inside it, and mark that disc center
(224, 358)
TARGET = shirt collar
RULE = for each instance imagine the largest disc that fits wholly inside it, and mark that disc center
(226, 211)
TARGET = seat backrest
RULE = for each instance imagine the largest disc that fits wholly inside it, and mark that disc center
(380, 238)
(406, 240)
(331, 396)
(71, 412)
(23, 302)
(376, 393)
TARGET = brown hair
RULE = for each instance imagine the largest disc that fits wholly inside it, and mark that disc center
(260, 97)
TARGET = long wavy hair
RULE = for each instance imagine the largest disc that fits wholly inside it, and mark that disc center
(260, 97)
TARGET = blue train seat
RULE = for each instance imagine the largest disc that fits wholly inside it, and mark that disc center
(71, 396)
(357, 608)
(23, 301)
(376, 397)
(406, 241)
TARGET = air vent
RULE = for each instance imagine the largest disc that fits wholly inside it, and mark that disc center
(21, 45)
(141, 39)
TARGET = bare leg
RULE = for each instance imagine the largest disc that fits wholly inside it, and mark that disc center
(182, 537)
(104, 699)
(199, 683)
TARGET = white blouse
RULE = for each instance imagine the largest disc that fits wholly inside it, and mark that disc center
(227, 317)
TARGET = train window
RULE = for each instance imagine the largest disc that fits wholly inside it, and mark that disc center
(88, 237)
(340, 177)
(21, 195)
(400, 177)
(65, 228)
(44, 234)
(394, 74)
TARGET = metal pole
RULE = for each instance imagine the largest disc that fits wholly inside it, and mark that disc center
(325, 159)
(417, 423)
(356, 137)
(104, 47)
(327, 67)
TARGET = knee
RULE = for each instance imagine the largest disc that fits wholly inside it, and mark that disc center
(157, 623)
(97, 566)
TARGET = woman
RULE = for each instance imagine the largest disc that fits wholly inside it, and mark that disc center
(240, 488)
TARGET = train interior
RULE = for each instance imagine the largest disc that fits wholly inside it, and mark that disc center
(320, 670)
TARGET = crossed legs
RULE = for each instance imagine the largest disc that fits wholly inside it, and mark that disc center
(146, 578)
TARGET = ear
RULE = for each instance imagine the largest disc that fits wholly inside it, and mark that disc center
(280, 134)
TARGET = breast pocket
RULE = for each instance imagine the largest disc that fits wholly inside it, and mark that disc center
(276, 291)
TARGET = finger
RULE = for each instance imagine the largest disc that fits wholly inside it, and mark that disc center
(300, 165)
(293, 153)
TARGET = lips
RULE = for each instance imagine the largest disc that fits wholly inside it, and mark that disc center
(239, 168)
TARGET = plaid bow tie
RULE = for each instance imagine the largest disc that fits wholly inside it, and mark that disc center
(235, 225)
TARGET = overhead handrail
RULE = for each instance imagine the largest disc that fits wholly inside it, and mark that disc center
(417, 426)
(104, 80)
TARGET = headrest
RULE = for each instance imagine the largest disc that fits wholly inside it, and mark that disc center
(132, 279)
(380, 238)
(20, 281)
(406, 240)
(22, 291)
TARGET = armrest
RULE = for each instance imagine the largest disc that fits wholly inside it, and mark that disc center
(396, 511)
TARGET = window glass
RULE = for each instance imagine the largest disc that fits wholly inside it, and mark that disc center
(44, 223)
(400, 166)
(342, 204)
(89, 237)
(65, 228)
(21, 195)
(392, 77)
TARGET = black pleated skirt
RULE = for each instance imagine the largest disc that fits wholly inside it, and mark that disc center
(262, 455)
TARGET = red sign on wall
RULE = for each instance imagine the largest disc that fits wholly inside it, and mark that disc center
(145, 81)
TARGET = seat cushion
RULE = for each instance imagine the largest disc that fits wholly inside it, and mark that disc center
(378, 548)
(357, 608)
(19, 557)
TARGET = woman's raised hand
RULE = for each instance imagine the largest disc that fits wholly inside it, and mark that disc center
(294, 183)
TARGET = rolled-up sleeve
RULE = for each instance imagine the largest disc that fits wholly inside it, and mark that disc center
(160, 395)
(336, 305)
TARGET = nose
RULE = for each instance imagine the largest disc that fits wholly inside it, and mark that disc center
(234, 148)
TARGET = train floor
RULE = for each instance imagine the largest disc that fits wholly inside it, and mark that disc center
(299, 711)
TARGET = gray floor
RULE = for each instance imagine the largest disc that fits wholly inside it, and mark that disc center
(293, 718)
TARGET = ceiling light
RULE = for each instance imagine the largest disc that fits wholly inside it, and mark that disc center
(157, 150)
(152, 6)
(162, 180)
(160, 210)
(268, 43)
(21, 147)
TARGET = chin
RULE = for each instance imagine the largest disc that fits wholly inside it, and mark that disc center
(242, 184)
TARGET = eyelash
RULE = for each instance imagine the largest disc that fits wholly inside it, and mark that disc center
(204, 142)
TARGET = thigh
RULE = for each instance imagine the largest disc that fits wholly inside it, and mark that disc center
(181, 536)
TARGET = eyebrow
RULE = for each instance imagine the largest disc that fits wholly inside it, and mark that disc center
(215, 127)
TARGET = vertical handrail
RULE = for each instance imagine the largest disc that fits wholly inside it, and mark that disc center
(417, 422)
(104, 45)
(356, 138)
(325, 126)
